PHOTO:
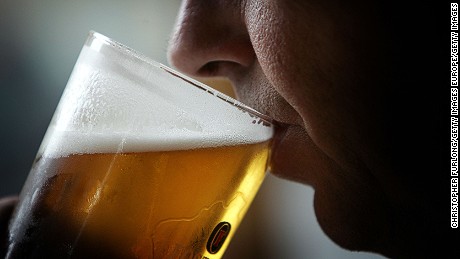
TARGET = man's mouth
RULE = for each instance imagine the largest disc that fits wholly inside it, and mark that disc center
(280, 132)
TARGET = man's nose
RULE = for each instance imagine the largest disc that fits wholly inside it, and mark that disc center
(210, 39)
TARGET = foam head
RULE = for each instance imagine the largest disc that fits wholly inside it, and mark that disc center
(118, 100)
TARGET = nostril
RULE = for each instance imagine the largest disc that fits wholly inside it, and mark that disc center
(209, 69)
(219, 68)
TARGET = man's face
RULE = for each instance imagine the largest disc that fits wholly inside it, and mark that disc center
(315, 68)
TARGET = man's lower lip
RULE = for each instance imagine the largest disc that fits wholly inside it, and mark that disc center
(280, 132)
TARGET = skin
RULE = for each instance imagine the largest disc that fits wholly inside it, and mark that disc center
(334, 76)
(338, 79)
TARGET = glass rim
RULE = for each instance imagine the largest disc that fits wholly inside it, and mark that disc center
(267, 120)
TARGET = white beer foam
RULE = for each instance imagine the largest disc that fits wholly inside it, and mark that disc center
(111, 104)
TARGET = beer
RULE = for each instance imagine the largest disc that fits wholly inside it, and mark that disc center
(139, 162)
(160, 204)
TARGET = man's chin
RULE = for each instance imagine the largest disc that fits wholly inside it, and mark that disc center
(353, 224)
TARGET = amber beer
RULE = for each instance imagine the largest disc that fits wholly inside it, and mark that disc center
(139, 161)
(139, 205)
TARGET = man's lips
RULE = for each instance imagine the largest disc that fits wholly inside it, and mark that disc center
(293, 155)
(280, 132)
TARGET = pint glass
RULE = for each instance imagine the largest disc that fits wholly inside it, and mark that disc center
(139, 161)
